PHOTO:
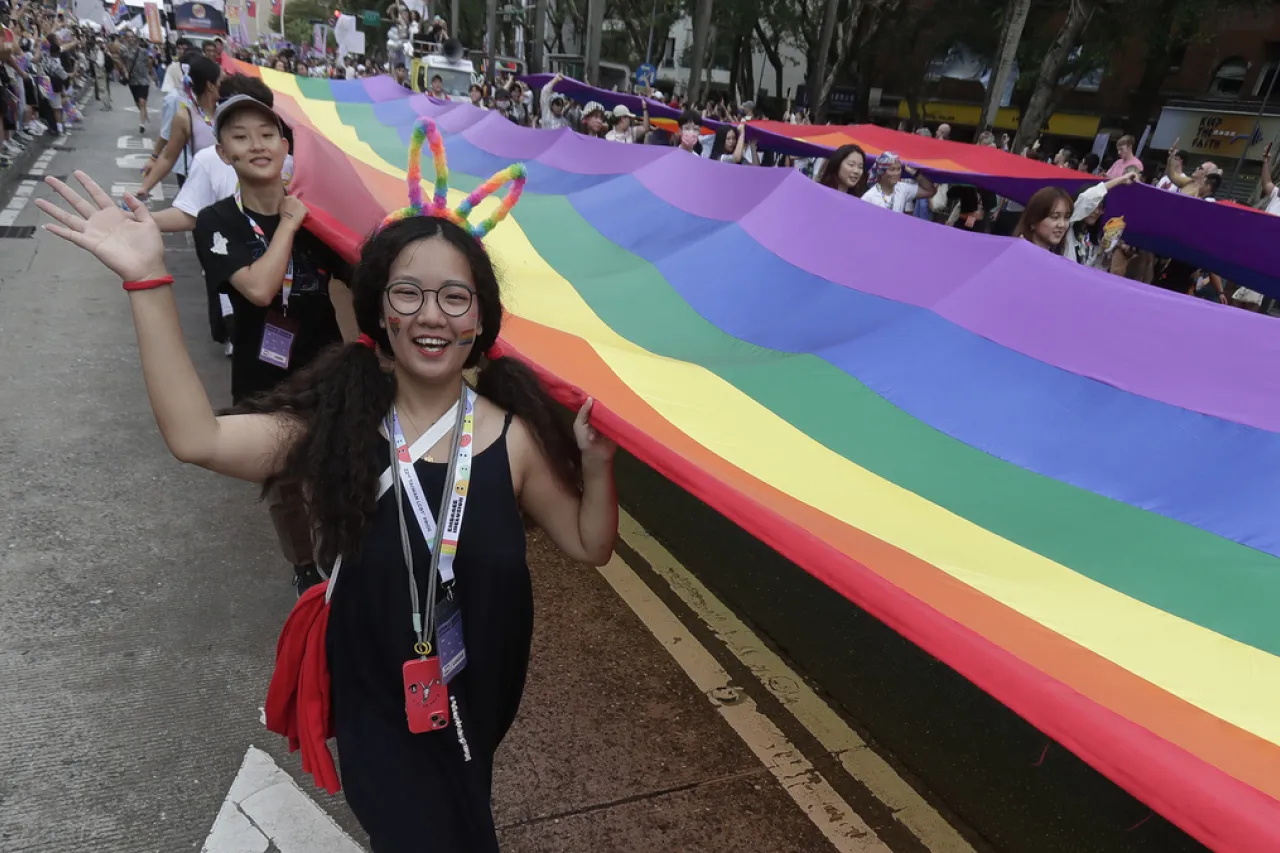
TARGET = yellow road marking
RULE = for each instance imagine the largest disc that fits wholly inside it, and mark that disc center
(835, 736)
(834, 818)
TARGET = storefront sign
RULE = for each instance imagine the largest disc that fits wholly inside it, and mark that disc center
(1220, 134)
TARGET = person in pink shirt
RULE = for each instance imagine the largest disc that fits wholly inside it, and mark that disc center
(1124, 148)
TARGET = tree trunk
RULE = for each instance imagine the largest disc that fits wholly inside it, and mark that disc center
(862, 105)
(771, 53)
(1015, 19)
(536, 45)
(818, 67)
(1040, 107)
(748, 69)
(701, 30)
(595, 34)
(709, 66)
(859, 29)
(1155, 68)
(735, 68)
(491, 41)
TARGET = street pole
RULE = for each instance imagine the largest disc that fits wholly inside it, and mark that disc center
(1257, 126)
(491, 43)
(453, 19)
(648, 51)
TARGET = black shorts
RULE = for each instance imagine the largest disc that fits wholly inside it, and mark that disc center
(30, 90)
(139, 92)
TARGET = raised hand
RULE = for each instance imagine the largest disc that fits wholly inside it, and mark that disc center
(592, 444)
(127, 242)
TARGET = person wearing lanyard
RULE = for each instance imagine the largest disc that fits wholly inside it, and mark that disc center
(277, 276)
(415, 478)
(187, 126)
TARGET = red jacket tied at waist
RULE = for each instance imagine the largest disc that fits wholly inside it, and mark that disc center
(298, 698)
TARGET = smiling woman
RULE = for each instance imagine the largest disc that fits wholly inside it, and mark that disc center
(357, 433)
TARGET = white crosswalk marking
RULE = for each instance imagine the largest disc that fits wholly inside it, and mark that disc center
(135, 143)
(132, 162)
(118, 190)
(266, 810)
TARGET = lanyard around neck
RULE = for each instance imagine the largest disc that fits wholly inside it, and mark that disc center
(191, 97)
(441, 539)
(262, 235)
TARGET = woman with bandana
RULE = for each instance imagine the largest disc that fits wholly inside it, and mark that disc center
(889, 191)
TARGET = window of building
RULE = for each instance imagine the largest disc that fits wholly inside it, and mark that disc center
(1266, 81)
(1228, 80)
(669, 54)
(1177, 54)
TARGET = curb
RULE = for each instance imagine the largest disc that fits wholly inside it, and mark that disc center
(21, 167)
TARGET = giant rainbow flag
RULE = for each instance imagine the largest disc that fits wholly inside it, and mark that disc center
(1063, 484)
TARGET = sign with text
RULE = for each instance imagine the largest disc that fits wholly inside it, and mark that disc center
(1218, 134)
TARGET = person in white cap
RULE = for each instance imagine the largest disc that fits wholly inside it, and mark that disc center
(623, 129)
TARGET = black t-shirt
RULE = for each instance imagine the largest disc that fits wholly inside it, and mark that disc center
(225, 244)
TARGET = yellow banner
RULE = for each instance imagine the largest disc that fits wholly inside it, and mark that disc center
(1060, 124)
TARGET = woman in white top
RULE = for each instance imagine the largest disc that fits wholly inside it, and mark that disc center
(623, 131)
(888, 189)
(1053, 221)
(192, 127)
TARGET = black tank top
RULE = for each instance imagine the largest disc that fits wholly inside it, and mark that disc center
(399, 784)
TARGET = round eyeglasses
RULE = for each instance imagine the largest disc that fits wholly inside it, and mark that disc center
(407, 299)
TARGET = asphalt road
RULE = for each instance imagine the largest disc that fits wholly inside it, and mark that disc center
(142, 599)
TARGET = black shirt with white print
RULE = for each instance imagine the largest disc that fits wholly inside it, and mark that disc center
(225, 244)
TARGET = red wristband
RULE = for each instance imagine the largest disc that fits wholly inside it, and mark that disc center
(149, 283)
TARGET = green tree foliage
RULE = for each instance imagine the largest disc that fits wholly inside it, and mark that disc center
(298, 15)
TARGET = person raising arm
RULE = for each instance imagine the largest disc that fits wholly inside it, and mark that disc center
(247, 447)
(385, 408)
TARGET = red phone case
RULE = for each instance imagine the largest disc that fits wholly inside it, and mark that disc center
(426, 699)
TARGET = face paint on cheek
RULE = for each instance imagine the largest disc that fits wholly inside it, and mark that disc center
(393, 325)
(467, 338)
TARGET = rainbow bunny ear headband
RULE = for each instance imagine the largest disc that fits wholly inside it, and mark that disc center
(425, 130)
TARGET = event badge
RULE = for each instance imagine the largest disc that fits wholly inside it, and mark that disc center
(278, 335)
(426, 699)
(453, 652)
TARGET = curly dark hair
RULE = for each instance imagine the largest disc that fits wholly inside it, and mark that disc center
(342, 396)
